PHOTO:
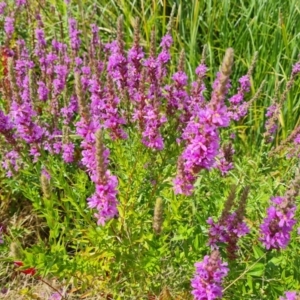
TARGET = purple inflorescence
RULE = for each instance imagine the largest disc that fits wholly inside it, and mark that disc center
(2, 7)
(68, 152)
(117, 64)
(43, 91)
(9, 26)
(209, 276)
(20, 3)
(225, 161)
(202, 146)
(112, 88)
(74, 35)
(290, 296)
(277, 226)
(227, 231)
(238, 108)
(105, 198)
(11, 162)
(296, 68)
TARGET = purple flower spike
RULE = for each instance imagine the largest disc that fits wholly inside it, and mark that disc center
(20, 3)
(74, 35)
(296, 68)
(9, 26)
(208, 279)
(290, 296)
(277, 226)
(2, 7)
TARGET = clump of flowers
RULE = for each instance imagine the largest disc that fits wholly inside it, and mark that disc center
(209, 276)
(225, 159)
(230, 227)
(113, 88)
(277, 226)
(104, 199)
(290, 296)
(274, 109)
(201, 134)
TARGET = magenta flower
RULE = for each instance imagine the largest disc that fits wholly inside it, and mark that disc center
(290, 296)
(238, 108)
(277, 226)
(74, 35)
(20, 3)
(209, 276)
(104, 199)
(11, 162)
(46, 173)
(225, 159)
(227, 231)
(296, 68)
(69, 111)
(56, 296)
(9, 26)
(2, 7)
(117, 64)
(68, 152)
(43, 91)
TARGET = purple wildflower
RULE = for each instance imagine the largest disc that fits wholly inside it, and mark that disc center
(68, 152)
(208, 279)
(43, 91)
(276, 227)
(228, 231)
(56, 296)
(201, 70)
(74, 35)
(117, 64)
(151, 134)
(290, 296)
(20, 3)
(238, 108)
(61, 76)
(41, 43)
(183, 183)
(2, 7)
(95, 159)
(35, 152)
(104, 199)
(202, 144)
(177, 96)
(224, 162)
(69, 111)
(296, 68)
(9, 26)
(6, 128)
(46, 173)
(164, 56)
(105, 108)
(11, 162)
(27, 129)
(134, 58)
(197, 100)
